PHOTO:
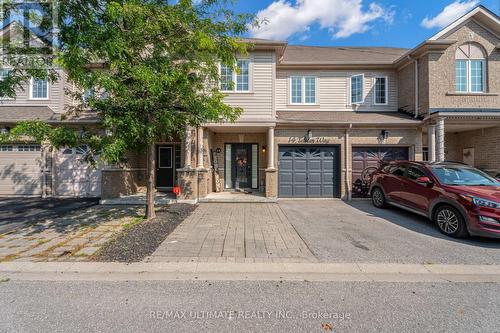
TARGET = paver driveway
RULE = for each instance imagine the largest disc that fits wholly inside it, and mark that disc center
(234, 232)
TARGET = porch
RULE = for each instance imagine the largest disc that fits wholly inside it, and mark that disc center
(228, 163)
(472, 138)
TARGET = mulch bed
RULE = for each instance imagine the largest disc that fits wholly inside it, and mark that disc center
(141, 240)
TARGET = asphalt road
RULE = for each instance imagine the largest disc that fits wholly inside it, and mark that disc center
(15, 212)
(181, 306)
(339, 231)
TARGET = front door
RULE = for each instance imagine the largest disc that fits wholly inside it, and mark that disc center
(165, 166)
(242, 165)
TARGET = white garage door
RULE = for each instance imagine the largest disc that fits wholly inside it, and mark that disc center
(20, 170)
(75, 177)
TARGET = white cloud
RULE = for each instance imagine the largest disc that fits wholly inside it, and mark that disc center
(342, 18)
(449, 14)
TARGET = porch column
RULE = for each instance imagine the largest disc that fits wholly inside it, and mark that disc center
(200, 148)
(431, 142)
(270, 148)
(440, 140)
(187, 148)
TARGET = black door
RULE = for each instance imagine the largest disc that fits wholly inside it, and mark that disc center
(241, 165)
(165, 166)
(309, 172)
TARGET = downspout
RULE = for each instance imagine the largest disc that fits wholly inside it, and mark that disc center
(415, 61)
(347, 170)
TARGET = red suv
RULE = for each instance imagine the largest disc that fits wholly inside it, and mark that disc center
(461, 200)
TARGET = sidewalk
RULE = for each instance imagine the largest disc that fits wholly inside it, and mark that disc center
(80, 271)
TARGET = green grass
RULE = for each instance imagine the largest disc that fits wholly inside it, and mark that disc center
(135, 221)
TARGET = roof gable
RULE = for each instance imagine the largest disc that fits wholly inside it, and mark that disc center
(480, 14)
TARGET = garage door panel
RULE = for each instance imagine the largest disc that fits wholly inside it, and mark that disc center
(300, 165)
(315, 177)
(75, 177)
(371, 157)
(300, 177)
(286, 177)
(299, 191)
(327, 177)
(20, 170)
(313, 171)
(286, 164)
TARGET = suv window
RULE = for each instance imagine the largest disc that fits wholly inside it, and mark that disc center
(413, 173)
(398, 170)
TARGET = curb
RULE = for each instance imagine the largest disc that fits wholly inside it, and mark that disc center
(59, 271)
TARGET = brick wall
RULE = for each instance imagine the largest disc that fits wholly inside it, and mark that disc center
(486, 143)
(442, 71)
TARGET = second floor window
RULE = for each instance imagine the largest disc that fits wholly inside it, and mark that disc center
(4, 73)
(357, 89)
(39, 88)
(381, 90)
(303, 90)
(239, 80)
(470, 68)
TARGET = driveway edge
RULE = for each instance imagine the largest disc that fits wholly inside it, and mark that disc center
(81, 271)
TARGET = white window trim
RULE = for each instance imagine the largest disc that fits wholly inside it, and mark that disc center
(468, 69)
(303, 89)
(234, 90)
(362, 89)
(386, 89)
(5, 98)
(37, 98)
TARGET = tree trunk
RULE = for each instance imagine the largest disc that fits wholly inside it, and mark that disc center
(150, 191)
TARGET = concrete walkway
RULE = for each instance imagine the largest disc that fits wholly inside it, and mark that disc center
(234, 232)
(81, 271)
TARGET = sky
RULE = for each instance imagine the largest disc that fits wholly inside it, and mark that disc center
(396, 23)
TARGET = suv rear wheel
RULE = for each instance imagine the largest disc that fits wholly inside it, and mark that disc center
(450, 222)
(378, 198)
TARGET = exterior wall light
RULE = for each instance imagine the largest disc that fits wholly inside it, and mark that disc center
(384, 134)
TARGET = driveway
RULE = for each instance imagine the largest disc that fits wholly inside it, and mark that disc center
(338, 231)
(234, 232)
(15, 212)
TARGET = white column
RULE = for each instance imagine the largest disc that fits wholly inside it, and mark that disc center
(440, 140)
(187, 148)
(200, 148)
(270, 148)
(431, 142)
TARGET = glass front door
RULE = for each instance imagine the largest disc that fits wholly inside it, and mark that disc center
(241, 166)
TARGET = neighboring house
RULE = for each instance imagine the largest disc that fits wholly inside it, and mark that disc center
(458, 93)
(316, 119)
(32, 169)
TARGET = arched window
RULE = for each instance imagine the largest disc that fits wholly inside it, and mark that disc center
(470, 68)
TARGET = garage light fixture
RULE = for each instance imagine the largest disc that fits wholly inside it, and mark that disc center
(384, 134)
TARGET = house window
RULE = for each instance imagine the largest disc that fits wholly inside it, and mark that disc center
(39, 88)
(381, 90)
(4, 73)
(303, 90)
(357, 89)
(238, 80)
(470, 68)
(242, 77)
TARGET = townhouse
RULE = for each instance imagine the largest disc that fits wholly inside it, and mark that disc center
(316, 121)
